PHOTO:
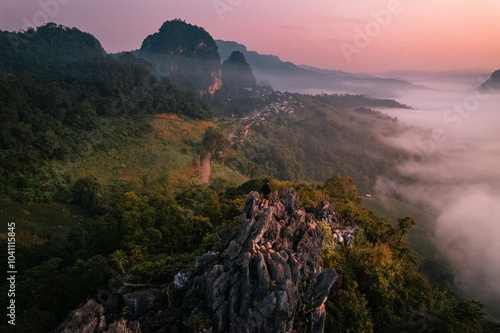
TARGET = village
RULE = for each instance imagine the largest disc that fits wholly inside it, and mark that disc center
(259, 117)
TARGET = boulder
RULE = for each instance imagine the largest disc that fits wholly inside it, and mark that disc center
(85, 319)
(140, 302)
(90, 319)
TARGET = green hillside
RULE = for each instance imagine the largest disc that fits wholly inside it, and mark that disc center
(319, 140)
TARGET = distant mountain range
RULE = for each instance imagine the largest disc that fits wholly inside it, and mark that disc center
(286, 76)
(189, 56)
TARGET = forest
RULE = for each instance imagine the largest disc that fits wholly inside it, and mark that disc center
(148, 239)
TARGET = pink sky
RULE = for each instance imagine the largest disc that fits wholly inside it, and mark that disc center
(367, 36)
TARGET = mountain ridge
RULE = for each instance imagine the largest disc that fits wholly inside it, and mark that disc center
(286, 76)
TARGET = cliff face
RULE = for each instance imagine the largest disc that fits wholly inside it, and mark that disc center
(186, 54)
(267, 279)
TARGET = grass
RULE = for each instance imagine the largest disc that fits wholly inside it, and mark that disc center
(159, 160)
(220, 170)
(163, 159)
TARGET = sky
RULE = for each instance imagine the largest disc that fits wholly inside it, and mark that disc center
(356, 36)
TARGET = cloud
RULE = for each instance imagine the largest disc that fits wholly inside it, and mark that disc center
(458, 181)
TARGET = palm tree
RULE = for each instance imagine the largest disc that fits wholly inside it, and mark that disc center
(120, 258)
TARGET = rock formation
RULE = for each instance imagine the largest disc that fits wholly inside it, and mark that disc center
(236, 72)
(267, 278)
(90, 318)
(186, 54)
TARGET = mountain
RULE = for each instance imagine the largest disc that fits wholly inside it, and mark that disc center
(40, 50)
(237, 73)
(186, 54)
(492, 84)
(286, 76)
(451, 80)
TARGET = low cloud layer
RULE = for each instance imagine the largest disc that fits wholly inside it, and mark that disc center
(452, 169)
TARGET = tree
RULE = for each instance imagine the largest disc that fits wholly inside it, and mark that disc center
(120, 258)
(86, 193)
(203, 201)
(342, 188)
(405, 225)
(214, 140)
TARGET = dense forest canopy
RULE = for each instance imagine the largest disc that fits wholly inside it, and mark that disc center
(177, 35)
(40, 50)
(148, 239)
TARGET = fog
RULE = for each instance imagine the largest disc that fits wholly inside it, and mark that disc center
(452, 169)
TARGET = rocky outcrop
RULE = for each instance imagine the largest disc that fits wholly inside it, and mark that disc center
(269, 278)
(90, 319)
(266, 278)
(186, 54)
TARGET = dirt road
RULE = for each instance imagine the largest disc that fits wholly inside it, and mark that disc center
(205, 176)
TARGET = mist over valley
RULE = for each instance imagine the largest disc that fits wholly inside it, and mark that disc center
(451, 170)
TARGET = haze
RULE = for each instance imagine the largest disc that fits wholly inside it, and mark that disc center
(367, 36)
(452, 171)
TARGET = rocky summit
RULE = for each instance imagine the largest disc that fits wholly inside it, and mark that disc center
(266, 278)
(186, 54)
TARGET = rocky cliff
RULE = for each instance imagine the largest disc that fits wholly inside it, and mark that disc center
(186, 54)
(267, 278)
